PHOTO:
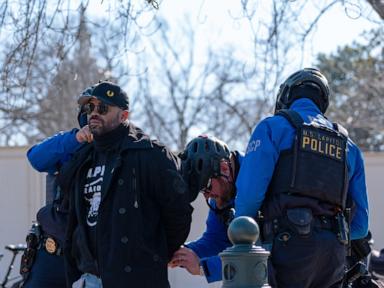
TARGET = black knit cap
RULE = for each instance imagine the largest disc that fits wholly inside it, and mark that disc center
(109, 93)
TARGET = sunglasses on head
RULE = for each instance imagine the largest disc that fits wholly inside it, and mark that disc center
(102, 108)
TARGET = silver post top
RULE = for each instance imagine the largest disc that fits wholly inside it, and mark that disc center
(243, 230)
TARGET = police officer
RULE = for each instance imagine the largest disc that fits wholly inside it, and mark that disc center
(43, 264)
(299, 170)
(211, 169)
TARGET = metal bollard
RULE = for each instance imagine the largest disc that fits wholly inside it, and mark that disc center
(244, 264)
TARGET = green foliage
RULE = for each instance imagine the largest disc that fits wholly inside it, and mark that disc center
(356, 75)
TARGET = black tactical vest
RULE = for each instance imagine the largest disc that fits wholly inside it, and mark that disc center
(316, 166)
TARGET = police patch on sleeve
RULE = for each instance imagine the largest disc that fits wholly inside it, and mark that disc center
(324, 142)
(253, 145)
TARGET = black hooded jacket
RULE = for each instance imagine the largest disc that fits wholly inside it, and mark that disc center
(144, 214)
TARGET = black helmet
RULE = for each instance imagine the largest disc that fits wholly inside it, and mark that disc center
(82, 115)
(305, 76)
(201, 160)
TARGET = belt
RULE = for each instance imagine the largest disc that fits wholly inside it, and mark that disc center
(51, 245)
(278, 225)
(325, 222)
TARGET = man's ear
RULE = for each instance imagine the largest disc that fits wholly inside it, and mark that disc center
(224, 168)
(124, 115)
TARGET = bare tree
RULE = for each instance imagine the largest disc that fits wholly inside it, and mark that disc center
(58, 109)
(283, 30)
(378, 6)
(40, 39)
(233, 94)
(26, 25)
(181, 97)
(48, 103)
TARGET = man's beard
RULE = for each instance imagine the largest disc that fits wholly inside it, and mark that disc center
(101, 128)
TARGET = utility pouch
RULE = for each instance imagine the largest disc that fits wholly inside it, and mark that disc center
(343, 229)
(29, 255)
(300, 219)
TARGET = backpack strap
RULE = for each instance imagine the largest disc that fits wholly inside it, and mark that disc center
(293, 117)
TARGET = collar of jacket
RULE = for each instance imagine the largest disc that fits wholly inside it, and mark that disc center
(136, 139)
(305, 104)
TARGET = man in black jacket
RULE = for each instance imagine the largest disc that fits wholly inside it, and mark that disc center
(129, 208)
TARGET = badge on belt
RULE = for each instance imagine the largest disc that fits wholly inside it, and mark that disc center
(50, 245)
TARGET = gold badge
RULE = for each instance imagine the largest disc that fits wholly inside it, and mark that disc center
(50, 245)
(110, 93)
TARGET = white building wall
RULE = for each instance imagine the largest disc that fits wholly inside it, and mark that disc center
(374, 171)
(22, 193)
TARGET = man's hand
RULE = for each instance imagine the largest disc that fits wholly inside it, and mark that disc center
(84, 135)
(186, 258)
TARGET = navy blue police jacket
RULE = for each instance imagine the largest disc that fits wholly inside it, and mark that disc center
(275, 134)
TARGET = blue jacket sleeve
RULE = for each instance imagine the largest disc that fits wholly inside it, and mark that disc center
(47, 155)
(213, 241)
(213, 265)
(358, 191)
(257, 169)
